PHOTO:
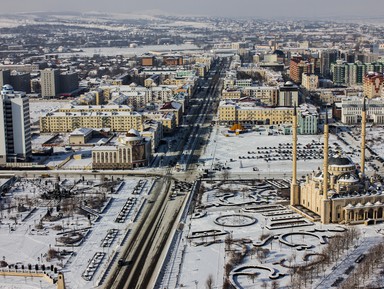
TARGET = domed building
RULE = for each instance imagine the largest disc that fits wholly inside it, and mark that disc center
(130, 151)
(340, 192)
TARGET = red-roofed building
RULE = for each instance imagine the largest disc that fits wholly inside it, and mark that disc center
(373, 85)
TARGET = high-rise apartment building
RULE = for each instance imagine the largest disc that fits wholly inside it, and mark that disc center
(20, 81)
(340, 72)
(15, 132)
(4, 77)
(288, 94)
(327, 57)
(69, 81)
(298, 66)
(50, 85)
(344, 73)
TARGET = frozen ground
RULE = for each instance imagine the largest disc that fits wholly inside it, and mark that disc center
(113, 51)
(229, 150)
(30, 237)
(40, 107)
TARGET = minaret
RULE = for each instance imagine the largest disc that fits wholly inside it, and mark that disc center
(326, 145)
(363, 134)
(325, 204)
(275, 44)
(294, 187)
(60, 281)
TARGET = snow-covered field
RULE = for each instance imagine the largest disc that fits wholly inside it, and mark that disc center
(240, 153)
(40, 107)
(31, 236)
(112, 51)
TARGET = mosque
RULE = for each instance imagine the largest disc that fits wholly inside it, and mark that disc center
(340, 192)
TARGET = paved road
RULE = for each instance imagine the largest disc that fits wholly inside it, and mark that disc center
(340, 268)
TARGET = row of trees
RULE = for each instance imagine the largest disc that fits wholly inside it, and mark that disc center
(337, 245)
(366, 268)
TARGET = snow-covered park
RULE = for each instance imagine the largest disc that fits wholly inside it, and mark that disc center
(242, 233)
(72, 225)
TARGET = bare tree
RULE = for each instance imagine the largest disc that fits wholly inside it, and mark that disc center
(264, 284)
(253, 276)
(275, 285)
(209, 282)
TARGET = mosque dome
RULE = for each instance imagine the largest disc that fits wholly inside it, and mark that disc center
(339, 165)
(340, 161)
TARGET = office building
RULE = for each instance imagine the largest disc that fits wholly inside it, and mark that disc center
(130, 151)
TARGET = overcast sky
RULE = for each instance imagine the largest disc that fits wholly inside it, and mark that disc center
(234, 8)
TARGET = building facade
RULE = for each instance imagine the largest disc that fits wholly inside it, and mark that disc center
(373, 84)
(130, 151)
(87, 117)
(351, 109)
(68, 82)
(310, 81)
(288, 94)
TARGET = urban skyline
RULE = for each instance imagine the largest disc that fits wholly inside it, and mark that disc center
(165, 150)
(276, 9)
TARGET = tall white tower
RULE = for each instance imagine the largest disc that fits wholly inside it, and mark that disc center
(15, 131)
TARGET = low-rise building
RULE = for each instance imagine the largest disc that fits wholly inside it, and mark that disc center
(153, 130)
(175, 108)
(267, 95)
(69, 121)
(167, 119)
(250, 113)
(247, 112)
(351, 110)
(308, 119)
(129, 151)
(80, 136)
(231, 94)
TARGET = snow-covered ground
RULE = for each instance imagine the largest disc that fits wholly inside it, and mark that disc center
(28, 236)
(113, 51)
(240, 152)
(38, 107)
